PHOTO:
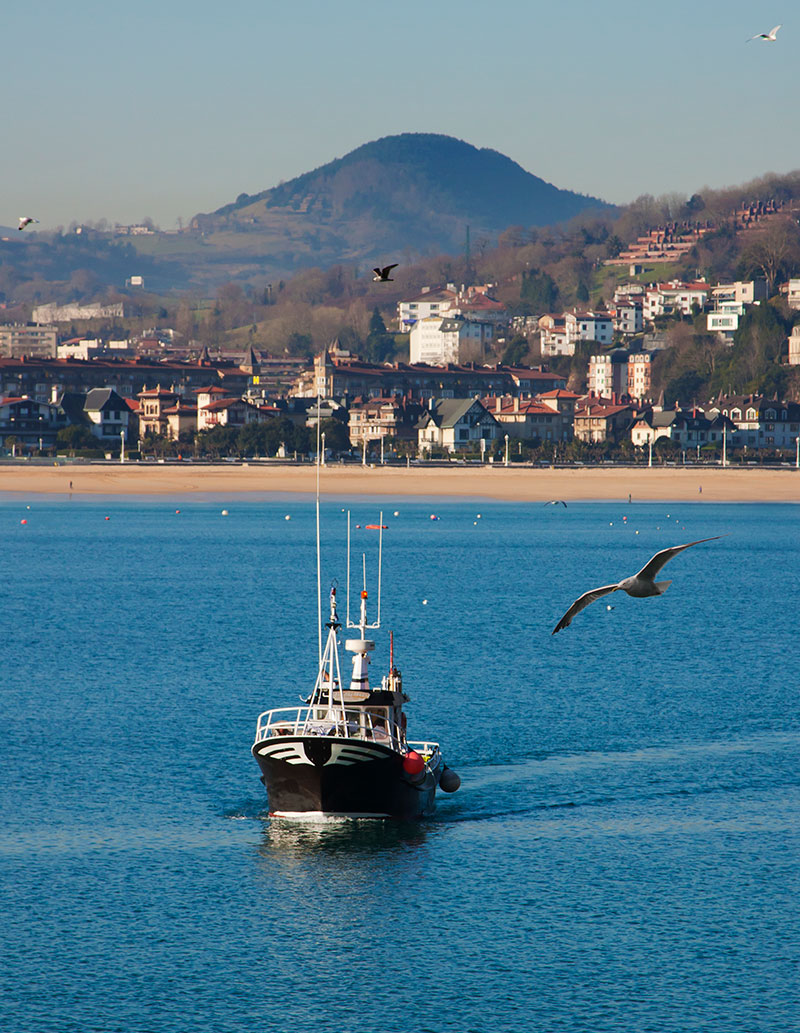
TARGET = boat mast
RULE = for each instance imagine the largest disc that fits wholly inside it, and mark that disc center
(319, 568)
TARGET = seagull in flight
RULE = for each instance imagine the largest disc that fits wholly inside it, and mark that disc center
(640, 585)
(25, 220)
(770, 36)
(556, 502)
(382, 275)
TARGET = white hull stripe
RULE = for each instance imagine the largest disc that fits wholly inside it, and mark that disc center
(292, 753)
(322, 816)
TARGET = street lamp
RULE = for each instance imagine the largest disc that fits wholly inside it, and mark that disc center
(323, 448)
(382, 450)
(650, 452)
(506, 459)
(122, 446)
(483, 450)
(724, 445)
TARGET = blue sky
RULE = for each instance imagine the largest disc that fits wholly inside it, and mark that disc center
(164, 108)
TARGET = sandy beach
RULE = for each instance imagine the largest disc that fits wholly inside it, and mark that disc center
(521, 484)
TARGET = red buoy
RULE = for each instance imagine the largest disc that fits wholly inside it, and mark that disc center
(413, 763)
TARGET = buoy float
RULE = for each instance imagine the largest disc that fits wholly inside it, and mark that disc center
(177, 511)
(23, 521)
(287, 517)
(106, 518)
(225, 513)
(395, 513)
(424, 601)
(449, 780)
(413, 763)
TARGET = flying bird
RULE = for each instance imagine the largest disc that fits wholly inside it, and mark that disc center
(770, 36)
(640, 585)
(382, 275)
(556, 502)
(25, 220)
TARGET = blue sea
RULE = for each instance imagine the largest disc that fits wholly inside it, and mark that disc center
(623, 855)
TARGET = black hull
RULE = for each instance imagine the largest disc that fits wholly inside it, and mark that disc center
(306, 776)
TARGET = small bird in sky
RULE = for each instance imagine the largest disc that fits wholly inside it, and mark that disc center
(382, 275)
(640, 585)
(25, 220)
(770, 36)
(556, 502)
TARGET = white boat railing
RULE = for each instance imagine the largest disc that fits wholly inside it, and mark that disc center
(344, 723)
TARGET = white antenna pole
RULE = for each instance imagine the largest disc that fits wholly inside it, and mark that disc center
(319, 568)
(380, 564)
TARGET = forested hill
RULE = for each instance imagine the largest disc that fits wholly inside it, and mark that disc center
(416, 192)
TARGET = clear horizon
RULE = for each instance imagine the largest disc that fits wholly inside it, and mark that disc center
(128, 113)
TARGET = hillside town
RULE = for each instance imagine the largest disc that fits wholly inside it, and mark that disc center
(157, 394)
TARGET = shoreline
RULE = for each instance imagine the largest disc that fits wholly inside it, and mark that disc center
(525, 484)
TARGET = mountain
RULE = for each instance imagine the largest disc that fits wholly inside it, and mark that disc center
(411, 194)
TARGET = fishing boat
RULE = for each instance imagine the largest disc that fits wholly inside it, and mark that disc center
(344, 752)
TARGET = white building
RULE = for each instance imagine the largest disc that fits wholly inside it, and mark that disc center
(559, 334)
(725, 323)
(608, 374)
(457, 425)
(53, 313)
(742, 292)
(794, 346)
(436, 341)
(92, 348)
(629, 317)
(108, 414)
(32, 341)
(428, 303)
(794, 293)
(674, 296)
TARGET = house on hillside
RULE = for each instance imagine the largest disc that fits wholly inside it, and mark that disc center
(560, 334)
(457, 425)
(675, 296)
(424, 305)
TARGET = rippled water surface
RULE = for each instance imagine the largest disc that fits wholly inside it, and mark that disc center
(623, 853)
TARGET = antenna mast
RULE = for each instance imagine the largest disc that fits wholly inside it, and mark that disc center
(319, 568)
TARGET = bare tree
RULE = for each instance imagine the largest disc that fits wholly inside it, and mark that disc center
(775, 251)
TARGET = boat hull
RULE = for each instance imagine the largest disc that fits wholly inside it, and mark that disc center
(308, 776)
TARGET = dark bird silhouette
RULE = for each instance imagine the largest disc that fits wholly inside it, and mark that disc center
(25, 220)
(382, 275)
(556, 502)
(640, 585)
